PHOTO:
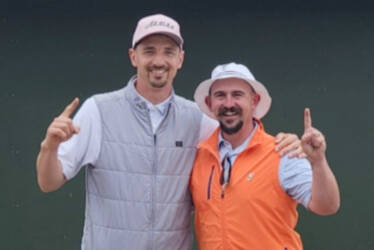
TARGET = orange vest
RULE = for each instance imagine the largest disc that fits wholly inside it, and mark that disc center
(254, 213)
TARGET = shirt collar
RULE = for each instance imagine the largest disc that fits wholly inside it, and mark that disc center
(225, 146)
(161, 108)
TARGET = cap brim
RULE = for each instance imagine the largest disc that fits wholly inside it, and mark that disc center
(178, 40)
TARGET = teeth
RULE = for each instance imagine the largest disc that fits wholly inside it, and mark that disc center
(158, 70)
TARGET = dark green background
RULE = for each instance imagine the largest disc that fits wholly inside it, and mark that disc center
(317, 54)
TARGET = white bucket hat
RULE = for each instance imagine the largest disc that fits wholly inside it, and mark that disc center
(157, 24)
(233, 70)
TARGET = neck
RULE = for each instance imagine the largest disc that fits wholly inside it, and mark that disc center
(153, 95)
(239, 137)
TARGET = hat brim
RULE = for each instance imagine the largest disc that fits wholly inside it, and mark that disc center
(178, 40)
(202, 91)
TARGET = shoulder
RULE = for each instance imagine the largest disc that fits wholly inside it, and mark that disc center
(184, 102)
(265, 139)
(86, 110)
(187, 107)
(109, 96)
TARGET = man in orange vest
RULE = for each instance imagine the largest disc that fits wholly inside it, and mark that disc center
(245, 194)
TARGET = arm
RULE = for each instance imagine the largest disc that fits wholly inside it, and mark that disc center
(49, 169)
(325, 192)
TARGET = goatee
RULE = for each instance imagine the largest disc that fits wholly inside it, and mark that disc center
(231, 130)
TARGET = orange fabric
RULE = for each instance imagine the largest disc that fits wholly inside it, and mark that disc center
(255, 213)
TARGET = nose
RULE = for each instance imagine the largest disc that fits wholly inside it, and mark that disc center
(229, 101)
(158, 60)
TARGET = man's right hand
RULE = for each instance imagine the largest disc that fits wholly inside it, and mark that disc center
(62, 128)
(49, 168)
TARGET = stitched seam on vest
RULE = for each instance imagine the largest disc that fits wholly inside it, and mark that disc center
(135, 173)
(146, 146)
(97, 102)
(137, 201)
(134, 230)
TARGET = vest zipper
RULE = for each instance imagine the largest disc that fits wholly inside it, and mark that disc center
(154, 172)
(210, 182)
(153, 194)
(223, 192)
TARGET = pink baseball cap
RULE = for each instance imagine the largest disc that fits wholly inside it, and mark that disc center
(157, 24)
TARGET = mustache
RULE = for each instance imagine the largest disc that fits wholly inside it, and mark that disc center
(224, 110)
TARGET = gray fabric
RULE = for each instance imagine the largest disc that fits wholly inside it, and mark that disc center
(137, 194)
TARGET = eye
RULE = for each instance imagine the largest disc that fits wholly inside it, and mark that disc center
(148, 51)
(219, 94)
(170, 52)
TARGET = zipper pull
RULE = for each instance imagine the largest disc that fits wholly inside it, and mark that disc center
(223, 193)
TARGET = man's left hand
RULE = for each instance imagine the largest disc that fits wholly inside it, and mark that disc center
(313, 141)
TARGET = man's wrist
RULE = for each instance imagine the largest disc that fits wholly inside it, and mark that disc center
(319, 162)
(47, 146)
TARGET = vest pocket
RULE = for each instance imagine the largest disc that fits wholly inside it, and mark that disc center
(210, 182)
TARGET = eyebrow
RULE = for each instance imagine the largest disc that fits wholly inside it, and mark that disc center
(148, 47)
(171, 48)
(218, 93)
(151, 47)
(238, 92)
(230, 92)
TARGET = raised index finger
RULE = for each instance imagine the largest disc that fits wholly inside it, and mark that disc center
(70, 108)
(307, 119)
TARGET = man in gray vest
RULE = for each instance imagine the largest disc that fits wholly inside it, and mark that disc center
(138, 145)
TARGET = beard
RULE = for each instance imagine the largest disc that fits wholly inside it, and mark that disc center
(158, 83)
(231, 130)
(235, 128)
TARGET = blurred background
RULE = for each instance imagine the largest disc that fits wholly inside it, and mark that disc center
(317, 54)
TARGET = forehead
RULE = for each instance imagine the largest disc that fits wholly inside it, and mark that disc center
(158, 40)
(231, 84)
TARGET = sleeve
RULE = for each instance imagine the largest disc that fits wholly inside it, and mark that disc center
(84, 147)
(207, 127)
(295, 176)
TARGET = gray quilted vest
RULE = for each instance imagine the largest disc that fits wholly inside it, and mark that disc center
(137, 194)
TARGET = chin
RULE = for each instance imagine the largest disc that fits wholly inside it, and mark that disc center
(159, 84)
(231, 128)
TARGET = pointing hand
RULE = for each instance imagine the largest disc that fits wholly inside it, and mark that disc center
(62, 127)
(312, 141)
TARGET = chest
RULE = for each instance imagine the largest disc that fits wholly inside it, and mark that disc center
(253, 179)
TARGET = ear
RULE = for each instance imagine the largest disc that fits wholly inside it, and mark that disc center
(208, 102)
(256, 99)
(132, 57)
(181, 58)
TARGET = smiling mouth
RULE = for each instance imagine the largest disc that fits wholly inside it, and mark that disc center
(158, 71)
(229, 112)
